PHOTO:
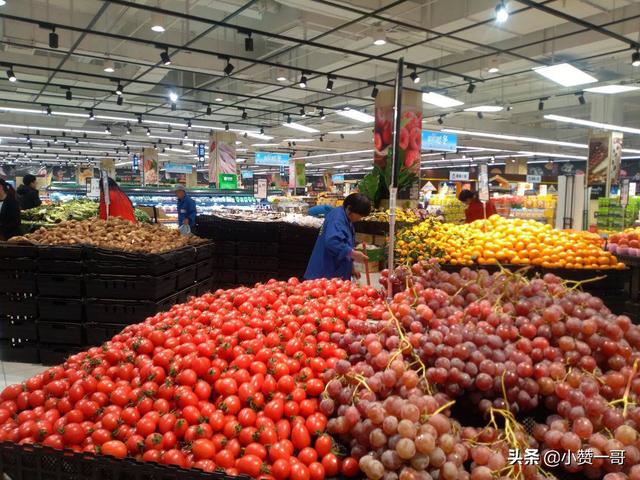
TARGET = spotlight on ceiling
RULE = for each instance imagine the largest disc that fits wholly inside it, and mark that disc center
(414, 75)
(303, 80)
(53, 39)
(480, 115)
(128, 129)
(119, 89)
(208, 109)
(261, 130)
(440, 119)
(139, 119)
(228, 68)
(541, 105)
(69, 95)
(303, 112)
(173, 96)
(581, 98)
(322, 115)
(189, 124)
(48, 110)
(174, 107)
(248, 43)
(374, 91)
(92, 116)
(120, 100)
(471, 88)
(107, 130)
(379, 37)
(281, 75)
(226, 127)
(11, 76)
(148, 132)
(244, 114)
(109, 67)
(329, 86)
(164, 57)
(635, 58)
(502, 14)
(157, 23)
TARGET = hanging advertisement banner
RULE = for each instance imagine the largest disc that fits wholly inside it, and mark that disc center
(616, 157)
(64, 174)
(192, 178)
(410, 138)
(150, 175)
(483, 183)
(222, 154)
(599, 160)
(297, 173)
(439, 141)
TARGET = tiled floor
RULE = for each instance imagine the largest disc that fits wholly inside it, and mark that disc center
(15, 372)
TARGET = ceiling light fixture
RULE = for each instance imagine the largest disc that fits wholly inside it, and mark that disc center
(589, 123)
(502, 14)
(346, 132)
(329, 86)
(173, 96)
(494, 65)
(157, 23)
(541, 105)
(374, 91)
(248, 43)
(303, 81)
(148, 132)
(379, 37)
(53, 38)
(635, 58)
(109, 66)
(92, 116)
(281, 75)
(174, 107)
(485, 108)
(119, 100)
(228, 68)
(119, 89)
(244, 114)
(208, 109)
(322, 115)
(565, 74)
(226, 127)
(11, 76)
(441, 101)
(471, 88)
(69, 95)
(357, 115)
(414, 75)
(164, 57)
(48, 110)
(128, 129)
(107, 130)
(440, 119)
(480, 115)
(219, 99)
(581, 99)
(612, 89)
(139, 119)
(298, 126)
(303, 112)
(3, 3)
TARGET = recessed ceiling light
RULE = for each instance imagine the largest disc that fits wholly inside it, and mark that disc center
(356, 115)
(485, 108)
(441, 101)
(109, 67)
(157, 23)
(565, 74)
(612, 89)
(158, 28)
(3, 3)
(299, 126)
(379, 37)
(502, 14)
(301, 140)
(219, 99)
(493, 70)
(173, 96)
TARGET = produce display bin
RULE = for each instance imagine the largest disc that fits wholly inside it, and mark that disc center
(257, 263)
(18, 351)
(204, 269)
(98, 333)
(60, 252)
(24, 329)
(257, 249)
(121, 263)
(186, 277)
(251, 278)
(13, 250)
(17, 263)
(125, 312)
(17, 281)
(61, 309)
(35, 462)
(23, 305)
(60, 285)
(51, 354)
(61, 333)
(61, 266)
(141, 287)
(224, 248)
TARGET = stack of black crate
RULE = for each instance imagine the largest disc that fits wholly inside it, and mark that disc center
(57, 299)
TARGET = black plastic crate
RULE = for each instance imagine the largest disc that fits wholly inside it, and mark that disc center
(12, 250)
(125, 312)
(60, 285)
(60, 309)
(286, 274)
(19, 305)
(224, 276)
(186, 277)
(224, 248)
(52, 354)
(293, 234)
(257, 249)
(60, 252)
(224, 261)
(18, 263)
(184, 295)
(251, 278)
(185, 256)
(142, 287)
(257, 263)
(18, 328)
(61, 333)
(35, 462)
(204, 269)
(114, 262)
(204, 250)
(17, 281)
(98, 333)
(69, 267)
(20, 351)
(203, 287)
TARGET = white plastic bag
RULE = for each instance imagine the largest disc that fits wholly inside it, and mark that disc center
(185, 229)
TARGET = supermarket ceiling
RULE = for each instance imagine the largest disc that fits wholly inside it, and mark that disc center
(185, 67)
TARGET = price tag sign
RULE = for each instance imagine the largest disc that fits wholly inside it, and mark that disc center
(624, 192)
(458, 176)
(483, 183)
(534, 179)
(261, 188)
(201, 150)
(136, 163)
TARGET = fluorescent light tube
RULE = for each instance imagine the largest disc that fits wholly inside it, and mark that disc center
(441, 101)
(345, 132)
(357, 115)
(589, 123)
(299, 126)
(565, 74)
(612, 89)
(485, 108)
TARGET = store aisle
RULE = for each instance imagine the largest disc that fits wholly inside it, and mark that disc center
(16, 372)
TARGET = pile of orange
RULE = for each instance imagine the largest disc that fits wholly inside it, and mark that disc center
(506, 241)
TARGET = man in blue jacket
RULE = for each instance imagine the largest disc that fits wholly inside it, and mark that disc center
(334, 254)
(186, 208)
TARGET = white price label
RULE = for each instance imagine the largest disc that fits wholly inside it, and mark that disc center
(458, 176)
(483, 183)
(534, 179)
(624, 192)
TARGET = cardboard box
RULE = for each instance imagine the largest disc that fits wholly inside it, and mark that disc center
(374, 267)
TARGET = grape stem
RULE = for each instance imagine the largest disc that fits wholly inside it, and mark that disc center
(625, 398)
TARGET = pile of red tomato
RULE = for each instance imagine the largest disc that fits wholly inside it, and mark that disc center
(228, 381)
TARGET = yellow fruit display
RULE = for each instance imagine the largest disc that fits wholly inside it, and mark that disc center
(403, 215)
(504, 241)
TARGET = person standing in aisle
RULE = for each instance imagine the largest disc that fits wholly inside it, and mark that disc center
(333, 254)
(9, 211)
(475, 210)
(186, 208)
(28, 195)
(119, 203)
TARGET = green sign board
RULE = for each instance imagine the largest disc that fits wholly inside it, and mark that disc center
(227, 181)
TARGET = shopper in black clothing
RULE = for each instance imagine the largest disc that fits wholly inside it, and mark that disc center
(9, 212)
(28, 193)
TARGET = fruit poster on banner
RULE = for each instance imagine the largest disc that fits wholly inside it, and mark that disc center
(599, 159)
(150, 174)
(222, 154)
(297, 174)
(64, 174)
(616, 158)
(376, 184)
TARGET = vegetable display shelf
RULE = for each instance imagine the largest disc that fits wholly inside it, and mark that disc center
(35, 462)
(52, 296)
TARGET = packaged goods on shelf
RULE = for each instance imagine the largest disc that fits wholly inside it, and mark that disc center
(613, 217)
(505, 241)
(527, 207)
